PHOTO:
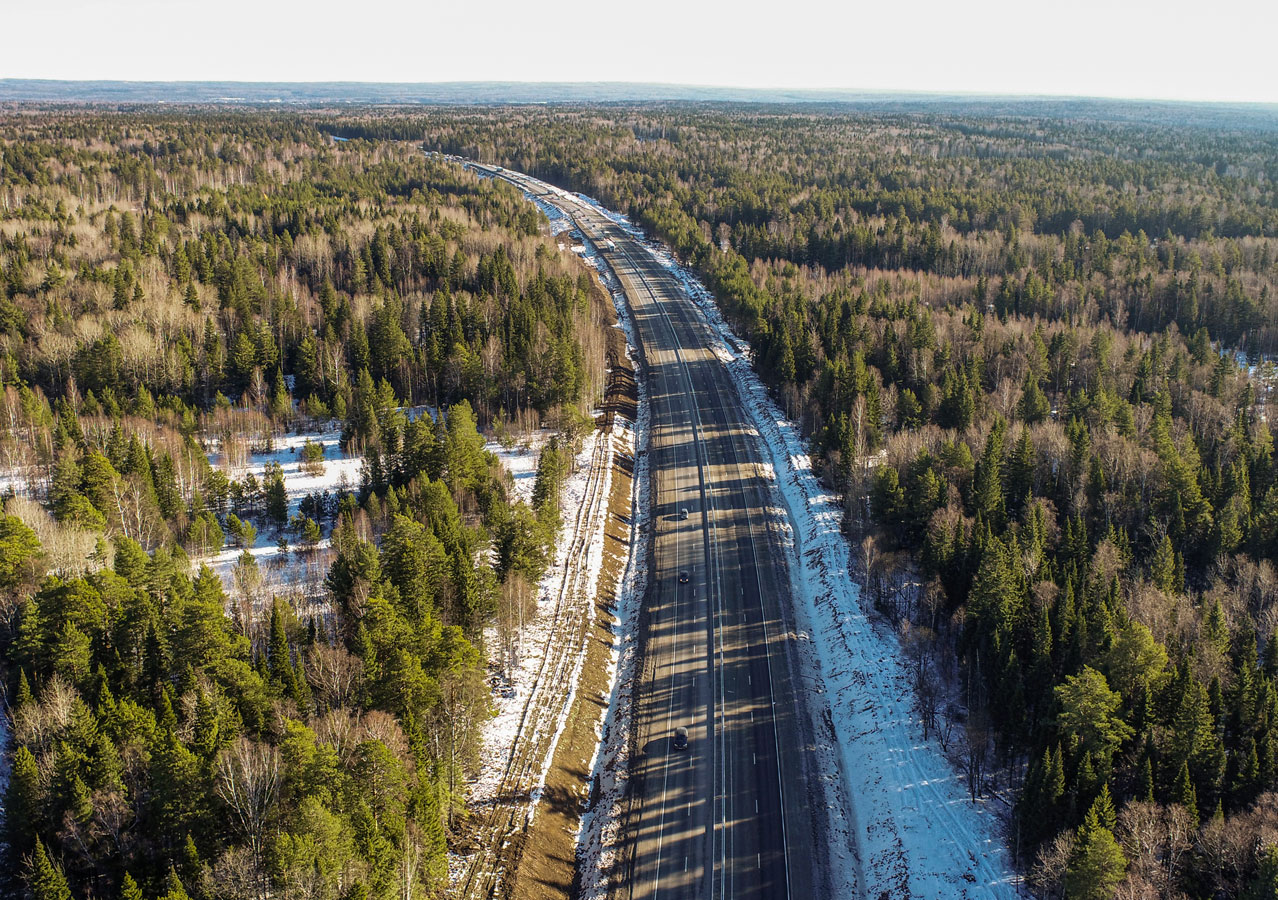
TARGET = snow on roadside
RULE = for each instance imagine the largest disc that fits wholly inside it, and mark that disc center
(599, 832)
(510, 694)
(597, 526)
(918, 834)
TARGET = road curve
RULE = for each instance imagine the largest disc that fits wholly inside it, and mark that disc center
(739, 813)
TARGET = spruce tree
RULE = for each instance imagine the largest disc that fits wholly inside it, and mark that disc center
(45, 880)
(1034, 406)
(129, 889)
(1097, 863)
(1145, 781)
(279, 661)
(1183, 793)
(23, 802)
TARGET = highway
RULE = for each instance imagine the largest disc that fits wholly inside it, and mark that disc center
(739, 813)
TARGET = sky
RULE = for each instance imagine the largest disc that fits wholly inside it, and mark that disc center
(1221, 50)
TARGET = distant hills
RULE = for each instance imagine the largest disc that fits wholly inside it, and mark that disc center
(329, 93)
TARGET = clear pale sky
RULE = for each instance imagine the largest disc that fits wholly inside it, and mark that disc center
(1221, 50)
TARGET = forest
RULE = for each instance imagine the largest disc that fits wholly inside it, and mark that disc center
(1032, 351)
(1035, 355)
(177, 288)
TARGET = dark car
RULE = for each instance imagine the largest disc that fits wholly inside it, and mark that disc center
(683, 577)
(681, 738)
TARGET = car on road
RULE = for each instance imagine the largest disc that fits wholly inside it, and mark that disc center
(683, 513)
(681, 738)
(683, 577)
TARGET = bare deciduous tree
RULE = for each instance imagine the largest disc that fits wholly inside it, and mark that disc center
(335, 674)
(248, 783)
(1048, 874)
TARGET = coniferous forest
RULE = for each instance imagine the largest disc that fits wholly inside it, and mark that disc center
(175, 287)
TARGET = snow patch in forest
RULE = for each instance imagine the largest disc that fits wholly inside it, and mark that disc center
(520, 459)
(341, 472)
(21, 481)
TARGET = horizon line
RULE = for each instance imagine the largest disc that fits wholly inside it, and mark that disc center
(847, 92)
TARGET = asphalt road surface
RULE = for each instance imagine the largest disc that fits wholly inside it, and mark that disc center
(739, 813)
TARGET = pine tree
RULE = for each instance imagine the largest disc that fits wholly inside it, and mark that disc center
(71, 653)
(281, 405)
(173, 888)
(994, 603)
(23, 696)
(1104, 808)
(1019, 482)
(1247, 779)
(1090, 713)
(276, 494)
(279, 660)
(433, 836)
(887, 498)
(1034, 406)
(1039, 809)
(1145, 781)
(23, 802)
(19, 551)
(1215, 629)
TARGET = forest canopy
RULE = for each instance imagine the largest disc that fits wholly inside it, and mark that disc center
(179, 288)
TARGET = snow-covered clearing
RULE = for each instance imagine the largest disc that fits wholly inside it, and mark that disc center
(306, 569)
(520, 459)
(917, 832)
